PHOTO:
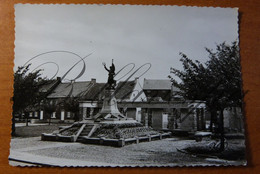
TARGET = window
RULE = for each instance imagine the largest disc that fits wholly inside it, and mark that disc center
(53, 115)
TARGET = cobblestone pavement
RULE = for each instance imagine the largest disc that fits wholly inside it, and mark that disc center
(155, 153)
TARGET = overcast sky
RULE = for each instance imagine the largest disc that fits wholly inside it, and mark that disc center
(127, 34)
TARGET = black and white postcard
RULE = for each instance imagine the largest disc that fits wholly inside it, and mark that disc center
(127, 86)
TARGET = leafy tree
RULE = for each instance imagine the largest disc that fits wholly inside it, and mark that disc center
(195, 83)
(224, 66)
(218, 81)
(71, 104)
(26, 91)
(49, 107)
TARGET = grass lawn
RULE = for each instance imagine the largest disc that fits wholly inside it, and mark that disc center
(35, 131)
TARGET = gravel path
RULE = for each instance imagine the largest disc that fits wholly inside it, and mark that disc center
(155, 153)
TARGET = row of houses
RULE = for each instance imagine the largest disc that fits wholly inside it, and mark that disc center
(156, 103)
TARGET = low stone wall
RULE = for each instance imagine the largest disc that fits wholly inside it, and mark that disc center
(122, 142)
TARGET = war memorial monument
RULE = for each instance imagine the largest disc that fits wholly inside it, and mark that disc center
(109, 126)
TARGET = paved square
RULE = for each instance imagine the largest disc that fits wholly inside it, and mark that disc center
(155, 153)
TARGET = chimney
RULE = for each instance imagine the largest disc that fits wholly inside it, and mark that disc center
(59, 79)
(93, 80)
(136, 79)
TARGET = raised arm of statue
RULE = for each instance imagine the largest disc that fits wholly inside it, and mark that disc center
(105, 66)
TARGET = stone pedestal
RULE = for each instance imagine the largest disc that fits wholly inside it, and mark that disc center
(110, 103)
(109, 111)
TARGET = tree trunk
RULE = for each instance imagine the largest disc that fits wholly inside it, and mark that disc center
(26, 115)
(213, 114)
(27, 121)
(13, 125)
(49, 119)
(222, 138)
(202, 114)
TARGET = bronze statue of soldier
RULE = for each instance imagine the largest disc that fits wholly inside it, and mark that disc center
(111, 73)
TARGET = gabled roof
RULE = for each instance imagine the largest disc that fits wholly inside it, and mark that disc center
(96, 92)
(76, 89)
(151, 84)
(89, 90)
(123, 91)
(48, 85)
(158, 84)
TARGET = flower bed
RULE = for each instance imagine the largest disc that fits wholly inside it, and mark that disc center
(127, 130)
(70, 131)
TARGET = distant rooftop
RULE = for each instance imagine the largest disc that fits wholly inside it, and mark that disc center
(123, 91)
(75, 89)
(90, 90)
(153, 84)
(158, 84)
(48, 85)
